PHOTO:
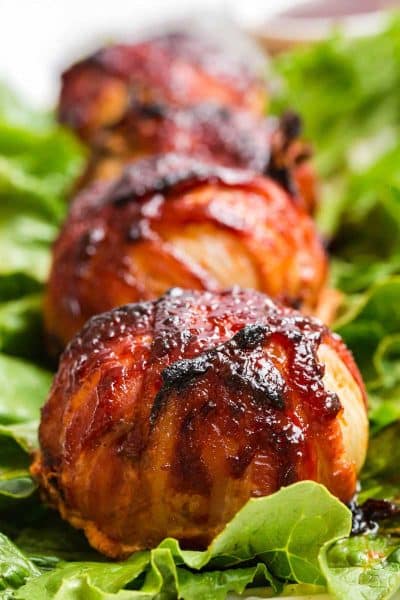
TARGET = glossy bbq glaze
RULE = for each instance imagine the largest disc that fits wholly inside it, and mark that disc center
(173, 221)
(166, 416)
(177, 69)
(211, 132)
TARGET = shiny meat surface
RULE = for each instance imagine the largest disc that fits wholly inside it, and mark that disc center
(211, 132)
(173, 221)
(176, 69)
(166, 416)
(233, 138)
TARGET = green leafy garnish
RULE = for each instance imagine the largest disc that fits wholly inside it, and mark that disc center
(362, 567)
(24, 388)
(270, 540)
(15, 568)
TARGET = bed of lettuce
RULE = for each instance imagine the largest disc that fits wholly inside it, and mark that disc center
(297, 541)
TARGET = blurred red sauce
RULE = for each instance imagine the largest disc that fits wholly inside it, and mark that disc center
(338, 8)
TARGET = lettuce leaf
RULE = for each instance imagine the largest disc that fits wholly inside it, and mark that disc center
(164, 580)
(16, 444)
(369, 323)
(371, 329)
(271, 539)
(346, 91)
(38, 163)
(23, 389)
(21, 331)
(37, 147)
(25, 239)
(367, 246)
(287, 541)
(215, 585)
(380, 477)
(15, 568)
(68, 580)
(15, 481)
(48, 540)
(362, 567)
(16, 285)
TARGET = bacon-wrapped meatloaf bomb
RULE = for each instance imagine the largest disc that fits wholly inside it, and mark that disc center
(166, 416)
(175, 69)
(172, 221)
(211, 132)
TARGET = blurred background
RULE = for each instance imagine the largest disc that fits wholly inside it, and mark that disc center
(38, 38)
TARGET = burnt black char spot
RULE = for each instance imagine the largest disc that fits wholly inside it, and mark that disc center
(283, 176)
(281, 165)
(262, 380)
(239, 363)
(176, 377)
(151, 110)
(291, 125)
(182, 372)
(251, 336)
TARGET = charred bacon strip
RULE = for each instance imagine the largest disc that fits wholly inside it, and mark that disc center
(174, 221)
